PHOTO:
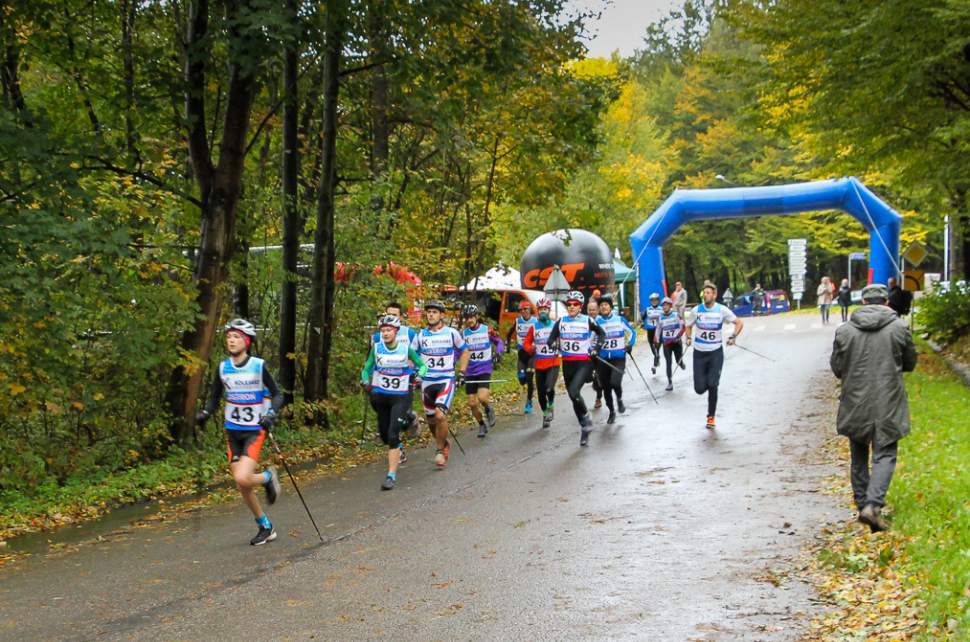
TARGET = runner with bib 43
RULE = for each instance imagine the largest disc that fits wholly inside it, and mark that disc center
(252, 401)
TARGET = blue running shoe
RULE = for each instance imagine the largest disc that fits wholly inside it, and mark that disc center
(528, 407)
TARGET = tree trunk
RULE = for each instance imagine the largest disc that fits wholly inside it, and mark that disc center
(128, 8)
(219, 188)
(292, 223)
(316, 386)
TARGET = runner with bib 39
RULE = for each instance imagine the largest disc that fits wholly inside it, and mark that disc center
(705, 328)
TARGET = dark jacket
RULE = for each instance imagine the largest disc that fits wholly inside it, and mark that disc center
(845, 296)
(900, 300)
(870, 355)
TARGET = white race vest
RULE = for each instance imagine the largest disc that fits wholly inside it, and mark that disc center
(575, 337)
(708, 326)
(438, 350)
(670, 326)
(479, 344)
(540, 339)
(392, 373)
(246, 397)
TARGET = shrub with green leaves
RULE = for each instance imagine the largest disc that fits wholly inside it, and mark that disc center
(945, 314)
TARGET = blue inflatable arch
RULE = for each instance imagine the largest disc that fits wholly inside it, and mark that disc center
(684, 206)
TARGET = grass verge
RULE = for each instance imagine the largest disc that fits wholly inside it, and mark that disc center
(914, 581)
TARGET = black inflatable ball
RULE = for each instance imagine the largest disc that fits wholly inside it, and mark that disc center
(583, 257)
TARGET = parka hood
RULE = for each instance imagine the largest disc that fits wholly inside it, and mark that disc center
(870, 318)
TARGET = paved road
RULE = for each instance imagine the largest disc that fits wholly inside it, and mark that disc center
(659, 530)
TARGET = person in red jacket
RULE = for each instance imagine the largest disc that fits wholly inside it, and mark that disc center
(546, 359)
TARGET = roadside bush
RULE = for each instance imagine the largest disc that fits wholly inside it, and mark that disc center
(945, 315)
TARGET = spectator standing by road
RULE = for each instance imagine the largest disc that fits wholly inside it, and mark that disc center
(679, 297)
(845, 299)
(870, 355)
(757, 300)
(900, 300)
(824, 293)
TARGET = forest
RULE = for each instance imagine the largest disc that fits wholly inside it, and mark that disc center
(169, 164)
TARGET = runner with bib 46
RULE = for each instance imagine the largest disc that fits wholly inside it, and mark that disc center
(708, 318)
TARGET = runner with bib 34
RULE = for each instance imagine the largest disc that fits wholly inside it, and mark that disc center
(708, 318)
(387, 377)
(252, 401)
(439, 344)
(577, 343)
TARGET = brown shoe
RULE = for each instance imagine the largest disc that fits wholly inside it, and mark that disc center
(872, 517)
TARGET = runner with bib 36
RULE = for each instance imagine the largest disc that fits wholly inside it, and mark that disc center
(439, 344)
(705, 328)
(387, 377)
(577, 343)
(252, 401)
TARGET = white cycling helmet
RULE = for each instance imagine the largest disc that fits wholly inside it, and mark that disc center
(243, 326)
(575, 295)
(390, 320)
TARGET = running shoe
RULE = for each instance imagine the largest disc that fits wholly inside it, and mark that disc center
(871, 516)
(710, 422)
(264, 535)
(547, 418)
(404, 455)
(528, 407)
(584, 437)
(439, 458)
(446, 450)
(620, 406)
(388, 483)
(612, 418)
(669, 387)
(272, 486)
(490, 416)
(598, 403)
(482, 430)
(682, 365)
(653, 369)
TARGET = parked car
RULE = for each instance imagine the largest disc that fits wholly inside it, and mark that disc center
(776, 301)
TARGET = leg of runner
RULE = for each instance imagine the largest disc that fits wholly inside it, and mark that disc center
(485, 399)
(526, 377)
(654, 349)
(707, 375)
(474, 404)
(243, 469)
(436, 397)
(546, 390)
(604, 374)
(669, 360)
(616, 381)
(575, 373)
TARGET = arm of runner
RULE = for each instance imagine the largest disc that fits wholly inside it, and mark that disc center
(419, 364)
(276, 395)
(215, 396)
(529, 343)
(600, 333)
(511, 333)
(462, 348)
(633, 332)
(554, 334)
(368, 370)
(730, 317)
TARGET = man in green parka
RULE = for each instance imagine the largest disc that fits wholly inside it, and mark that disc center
(870, 355)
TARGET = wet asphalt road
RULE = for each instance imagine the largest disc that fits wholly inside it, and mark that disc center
(659, 530)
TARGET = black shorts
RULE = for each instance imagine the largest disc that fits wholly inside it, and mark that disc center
(472, 388)
(244, 442)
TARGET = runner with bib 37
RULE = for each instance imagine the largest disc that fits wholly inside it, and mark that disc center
(708, 318)
(387, 377)
(252, 401)
(577, 343)
(526, 368)
(439, 344)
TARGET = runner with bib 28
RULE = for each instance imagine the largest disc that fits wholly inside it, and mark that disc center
(546, 359)
(579, 338)
(649, 321)
(387, 377)
(252, 401)
(439, 345)
(670, 327)
(481, 342)
(613, 353)
(526, 369)
(705, 328)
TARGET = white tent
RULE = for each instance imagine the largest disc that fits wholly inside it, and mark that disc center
(498, 278)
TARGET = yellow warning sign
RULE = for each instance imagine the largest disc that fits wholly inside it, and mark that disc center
(915, 253)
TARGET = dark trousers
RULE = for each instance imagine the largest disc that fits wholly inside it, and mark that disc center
(870, 486)
(654, 348)
(673, 353)
(845, 312)
(575, 374)
(546, 386)
(526, 372)
(393, 415)
(611, 381)
(707, 375)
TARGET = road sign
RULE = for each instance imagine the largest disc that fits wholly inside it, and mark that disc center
(915, 253)
(797, 242)
(797, 296)
(857, 256)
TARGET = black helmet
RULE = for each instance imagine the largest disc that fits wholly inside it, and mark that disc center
(606, 298)
(435, 305)
(470, 310)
